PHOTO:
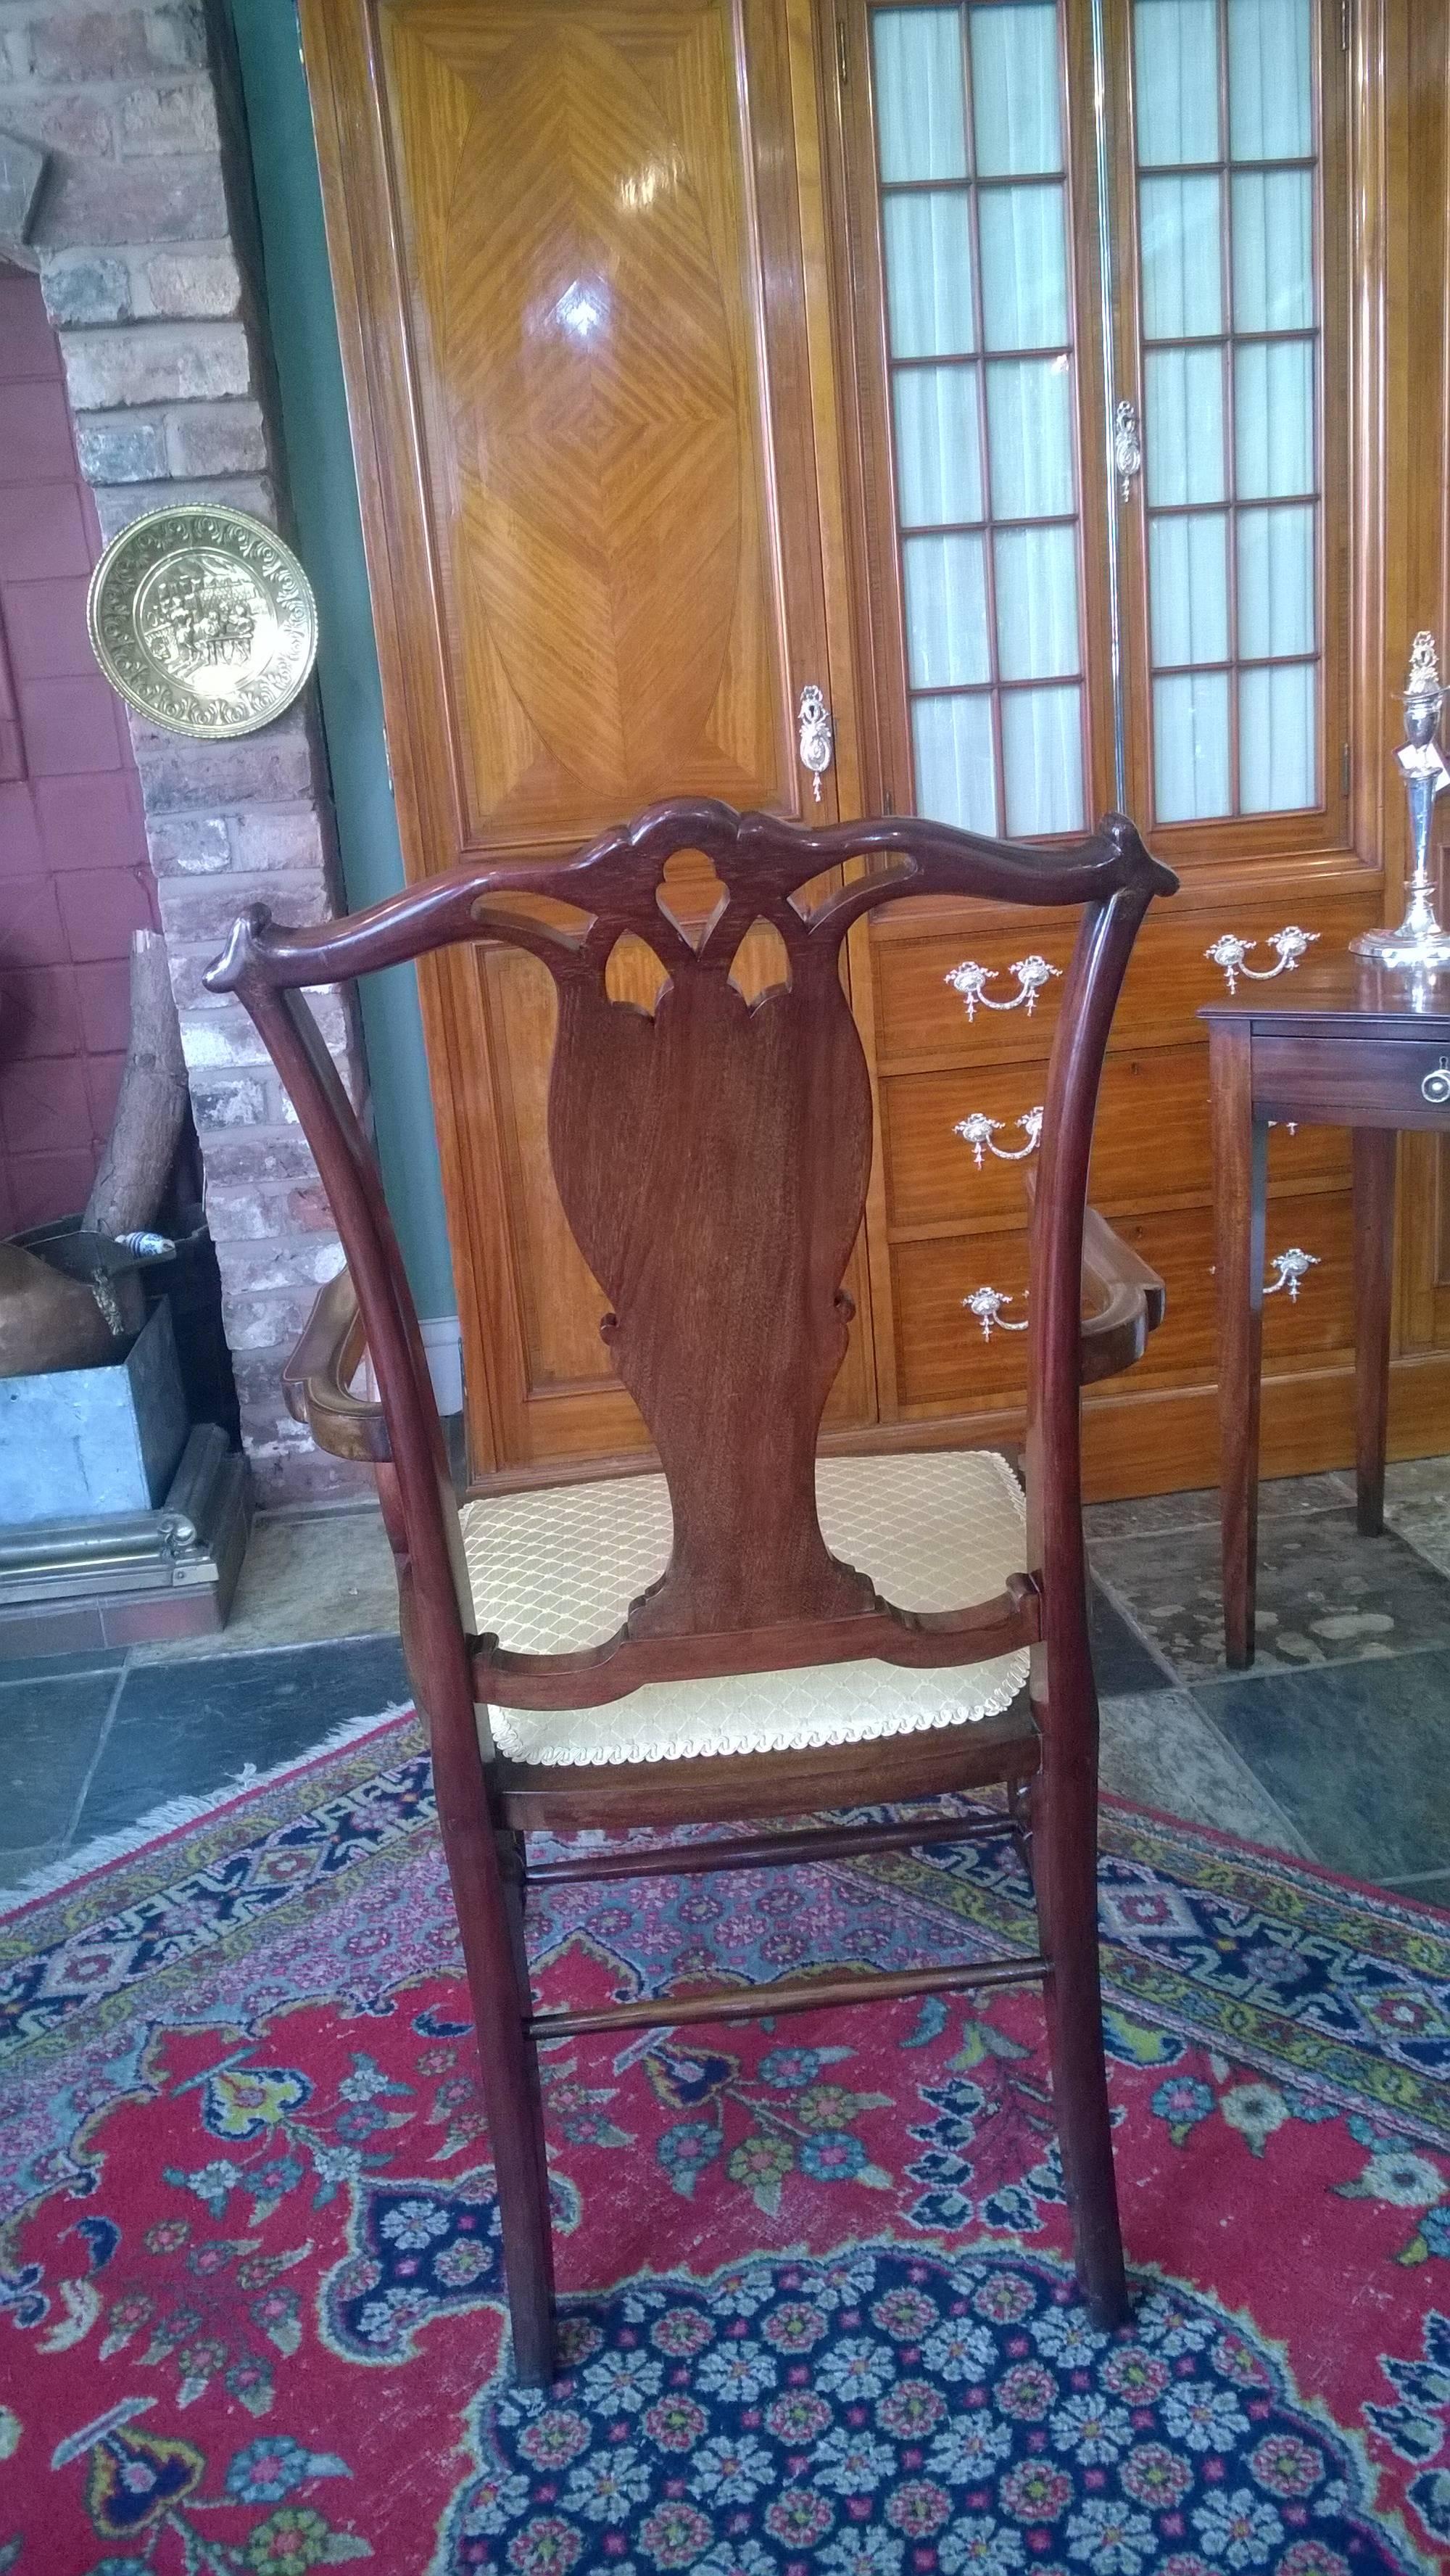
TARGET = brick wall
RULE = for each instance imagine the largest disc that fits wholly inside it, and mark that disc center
(75, 880)
(144, 243)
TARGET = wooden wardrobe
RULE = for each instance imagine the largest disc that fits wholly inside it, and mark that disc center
(1055, 386)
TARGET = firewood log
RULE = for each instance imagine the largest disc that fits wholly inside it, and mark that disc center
(137, 1161)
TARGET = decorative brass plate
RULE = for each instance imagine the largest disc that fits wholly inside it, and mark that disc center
(203, 620)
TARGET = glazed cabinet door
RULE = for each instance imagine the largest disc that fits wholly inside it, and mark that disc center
(565, 240)
(1115, 312)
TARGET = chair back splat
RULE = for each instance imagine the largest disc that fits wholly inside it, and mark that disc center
(712, 1156)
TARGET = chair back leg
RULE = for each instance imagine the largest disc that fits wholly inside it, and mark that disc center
(485, 1866)
(1064, 1854)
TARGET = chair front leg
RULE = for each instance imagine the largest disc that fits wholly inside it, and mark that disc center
(1064, 1851)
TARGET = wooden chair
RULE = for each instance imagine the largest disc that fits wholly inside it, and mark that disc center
(712, 1158)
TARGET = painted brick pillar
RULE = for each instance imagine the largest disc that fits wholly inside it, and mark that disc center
(144, 238)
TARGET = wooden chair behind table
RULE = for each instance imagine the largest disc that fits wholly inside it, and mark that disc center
(712, 1160)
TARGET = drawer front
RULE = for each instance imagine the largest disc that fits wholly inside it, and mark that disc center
(921, 1016)
(1374, 1081)
(946, 1362)
(1151, 1141)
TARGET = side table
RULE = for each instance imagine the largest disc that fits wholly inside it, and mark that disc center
(1341, 1043)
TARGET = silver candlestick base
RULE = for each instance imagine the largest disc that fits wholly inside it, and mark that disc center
(1419, 939)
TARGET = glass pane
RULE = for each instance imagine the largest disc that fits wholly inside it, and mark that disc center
(1188, 588)
(1276, 582)
(1042, 757)
(928, 275)
(1015, 80)
(1036, 572)
(1029, 437)
(1181, 242)
(938, 446)
(1273, 250)
(1277, 750)
(1274, 418)
(1024, 268)
(1270, 94)
(920, 93)
(1190, 747)
(956, 778)
(946, 612)
(1183, 434)
(1175, 56)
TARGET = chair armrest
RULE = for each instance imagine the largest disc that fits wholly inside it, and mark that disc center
(316, 1379)
(1130, 1301)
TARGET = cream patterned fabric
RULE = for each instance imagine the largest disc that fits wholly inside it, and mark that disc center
(556, 1571)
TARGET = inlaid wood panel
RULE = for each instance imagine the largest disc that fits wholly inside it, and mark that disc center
(921, 1018)
(945, 1362)
(1151, 1145)
(589, 308)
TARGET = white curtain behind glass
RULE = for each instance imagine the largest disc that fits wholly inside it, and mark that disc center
(974, 235)
(1227, 299)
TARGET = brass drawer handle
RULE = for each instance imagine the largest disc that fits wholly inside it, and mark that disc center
(971, 981)
(1435, 1087)
(987, 1304)
(978, 1130)
(1292, 1266)
(1232, 954)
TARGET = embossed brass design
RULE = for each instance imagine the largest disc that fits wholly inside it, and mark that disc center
(203, 620)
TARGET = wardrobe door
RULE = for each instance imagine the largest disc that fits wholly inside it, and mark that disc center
(565, 240)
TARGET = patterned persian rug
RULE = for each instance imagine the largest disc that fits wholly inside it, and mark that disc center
(818, 2314)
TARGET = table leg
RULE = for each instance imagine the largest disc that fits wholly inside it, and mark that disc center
(1374, 1262)
(1239, 1140)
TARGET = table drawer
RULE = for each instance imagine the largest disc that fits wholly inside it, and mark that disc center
(1151, 1140)
(946, 1362)
(1370, 1082)
(921, 1016)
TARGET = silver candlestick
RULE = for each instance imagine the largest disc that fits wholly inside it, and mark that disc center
(1419, 940)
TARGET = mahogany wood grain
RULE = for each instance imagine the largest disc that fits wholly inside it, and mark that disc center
(1375, 1151)
(741, 1788)
(803, 1994)
(712, 1157)
(763, 1851)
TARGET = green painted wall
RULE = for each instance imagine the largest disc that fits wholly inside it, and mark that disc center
(324, 494)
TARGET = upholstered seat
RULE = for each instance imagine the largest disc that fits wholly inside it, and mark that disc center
(554, 1572)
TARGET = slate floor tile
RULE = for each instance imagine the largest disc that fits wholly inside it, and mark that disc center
(1356, 1754)
(182, 1730)
(17, 1866)
(1121, 1661)
(1423, 1483)
(1431, 1890)
(1160, 1751)
(1426, 1528)
(1150, 1515)
(1326, 1595)
(49, 1732)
